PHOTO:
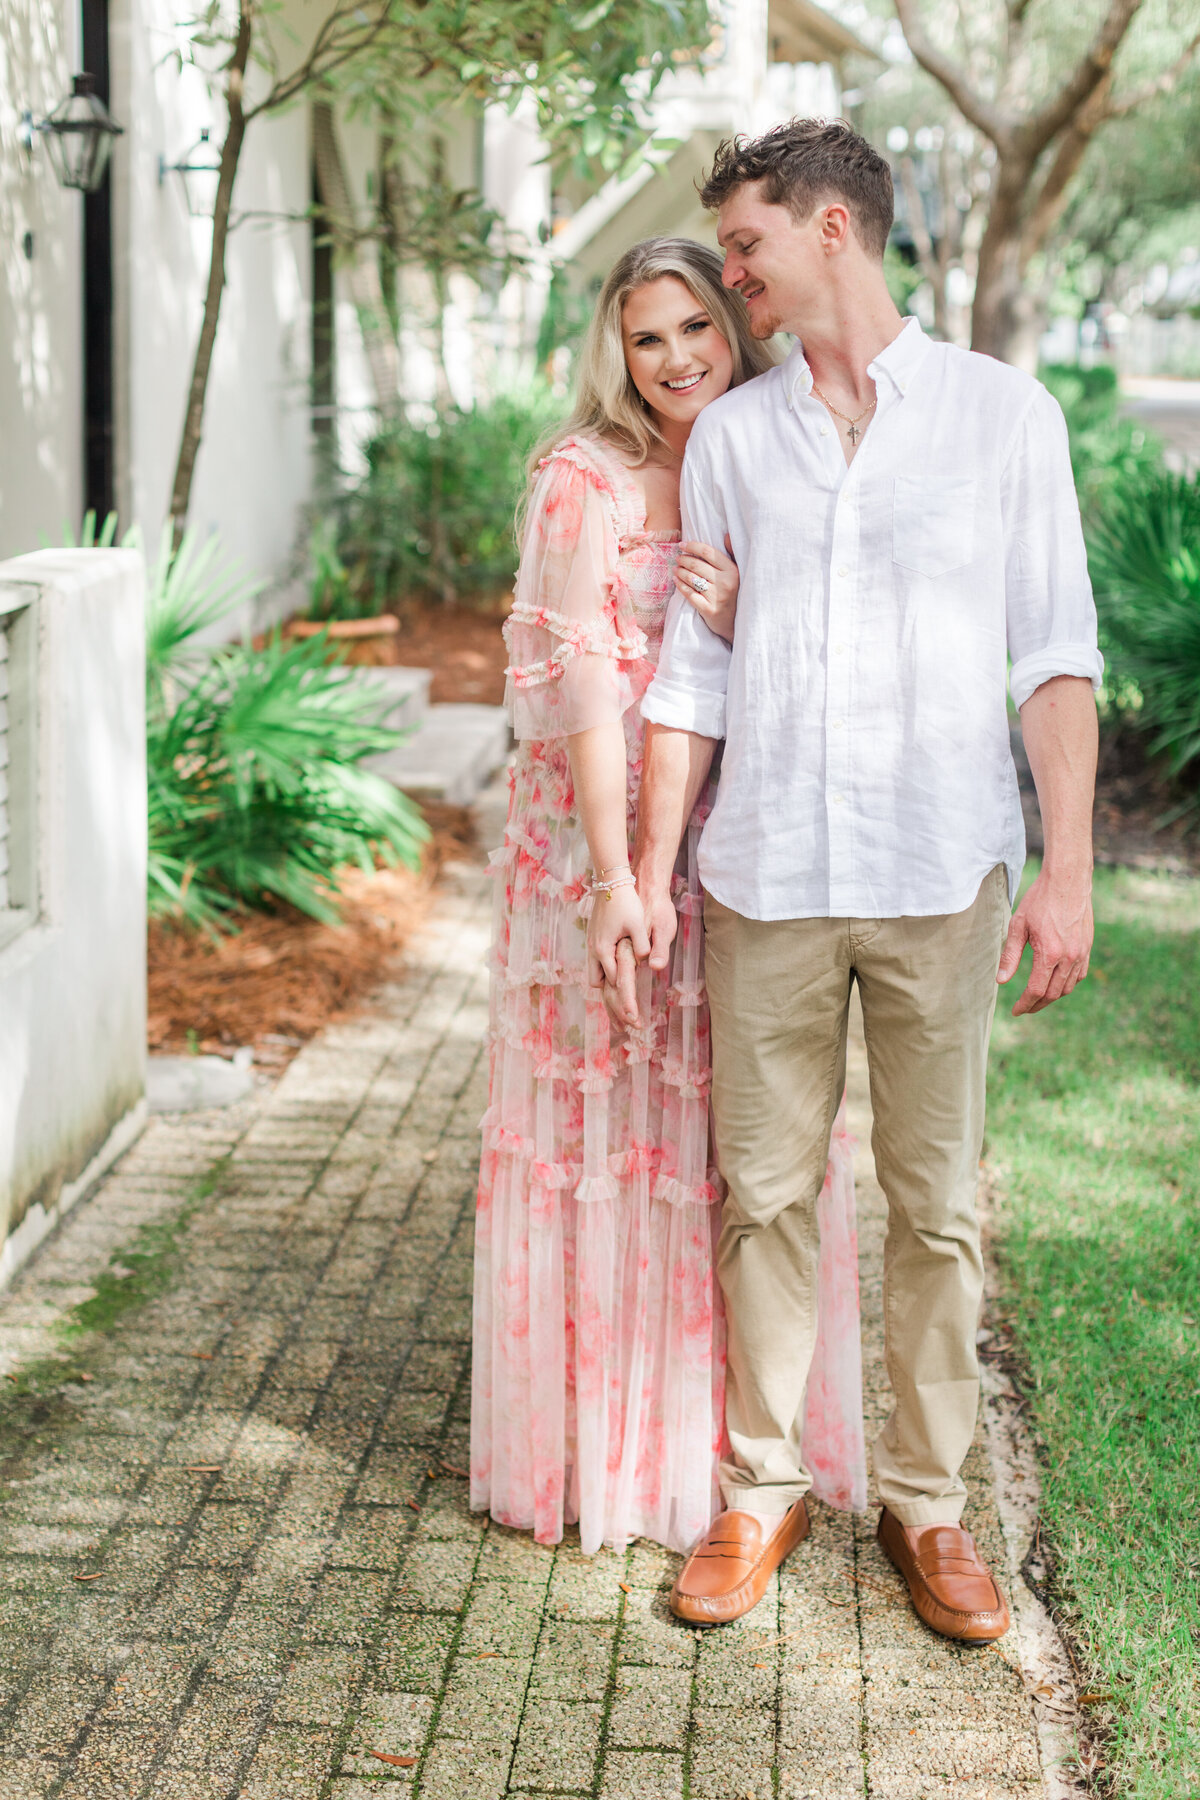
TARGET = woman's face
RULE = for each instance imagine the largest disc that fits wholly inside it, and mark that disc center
(677, 358)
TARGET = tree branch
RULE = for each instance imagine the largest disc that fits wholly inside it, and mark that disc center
(343, 34)
(1150, 90)
(1093, 68)
(993, 123)
(1051, 199)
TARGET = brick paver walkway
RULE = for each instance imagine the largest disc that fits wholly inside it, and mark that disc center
(234, 1542)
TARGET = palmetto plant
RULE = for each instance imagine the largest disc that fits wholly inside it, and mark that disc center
(1144, 552)
(256, 786)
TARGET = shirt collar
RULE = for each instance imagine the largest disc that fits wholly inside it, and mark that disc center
(898, 360)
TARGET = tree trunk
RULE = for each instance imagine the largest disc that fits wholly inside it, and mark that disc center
(1003, 322)
(231, 150)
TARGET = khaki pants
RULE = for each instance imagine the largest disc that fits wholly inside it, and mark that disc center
(780, 994)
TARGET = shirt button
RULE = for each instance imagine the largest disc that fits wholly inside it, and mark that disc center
(843, 572)
(824, 431)
(839, 799)
(838, 723)
(839, 649)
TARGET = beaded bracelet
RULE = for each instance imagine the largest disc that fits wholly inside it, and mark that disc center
(607, 886)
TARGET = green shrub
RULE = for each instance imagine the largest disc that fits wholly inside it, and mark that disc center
(1107, 449)
(433, 515)
(1144, 554)
(256, 789)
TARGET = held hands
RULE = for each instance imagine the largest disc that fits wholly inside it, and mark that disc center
(1055, 917)
(716, 600)
(617, 942)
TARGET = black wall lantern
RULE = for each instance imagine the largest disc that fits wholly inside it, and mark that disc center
(200, 171)
(79, 136)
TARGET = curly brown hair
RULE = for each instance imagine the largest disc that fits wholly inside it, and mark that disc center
(804, 162)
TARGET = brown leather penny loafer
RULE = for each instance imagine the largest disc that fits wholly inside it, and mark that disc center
(728, 1571)
(951, 1586)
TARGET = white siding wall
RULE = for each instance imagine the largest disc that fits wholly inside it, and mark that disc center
(40, 325)
(73, 978)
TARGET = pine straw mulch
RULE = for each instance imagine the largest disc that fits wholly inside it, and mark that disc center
(275, 982)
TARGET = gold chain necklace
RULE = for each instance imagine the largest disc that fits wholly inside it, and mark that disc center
(853, 433)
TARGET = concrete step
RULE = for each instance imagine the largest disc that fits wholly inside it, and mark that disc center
(403, 694)
(451, 756)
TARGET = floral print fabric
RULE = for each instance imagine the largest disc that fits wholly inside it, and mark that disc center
(598, 1375)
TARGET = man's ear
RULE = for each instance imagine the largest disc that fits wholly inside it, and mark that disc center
(836, 228)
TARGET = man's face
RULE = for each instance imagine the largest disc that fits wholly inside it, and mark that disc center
(773, 260)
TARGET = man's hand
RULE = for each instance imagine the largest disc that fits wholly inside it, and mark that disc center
(1055, 917)
(615, 921)
(662, 922)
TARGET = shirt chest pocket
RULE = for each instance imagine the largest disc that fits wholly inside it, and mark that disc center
(933, 523)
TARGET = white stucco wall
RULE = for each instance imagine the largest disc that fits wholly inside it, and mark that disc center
(41, 453)
(73, 982)
(253, 472)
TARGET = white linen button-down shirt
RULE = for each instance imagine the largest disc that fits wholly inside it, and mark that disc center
(867, 771)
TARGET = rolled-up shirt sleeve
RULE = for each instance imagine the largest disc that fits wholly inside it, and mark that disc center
(689, 688)
(1051, 616)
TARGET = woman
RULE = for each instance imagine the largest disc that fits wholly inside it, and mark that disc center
(598, 1379)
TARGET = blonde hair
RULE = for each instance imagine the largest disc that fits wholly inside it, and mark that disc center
(607, 404)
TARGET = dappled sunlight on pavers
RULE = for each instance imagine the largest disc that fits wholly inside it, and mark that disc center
(262, 1473)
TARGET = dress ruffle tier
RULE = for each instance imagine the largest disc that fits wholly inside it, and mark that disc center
(598, 1376)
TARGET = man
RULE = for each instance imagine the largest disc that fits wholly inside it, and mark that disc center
(904, 520)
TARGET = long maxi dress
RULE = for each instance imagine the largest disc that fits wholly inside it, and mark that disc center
(598, 1373)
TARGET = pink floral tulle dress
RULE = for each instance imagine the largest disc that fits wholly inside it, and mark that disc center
(598, 1375)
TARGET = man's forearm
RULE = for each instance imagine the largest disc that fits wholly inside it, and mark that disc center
(1058, 724)
(674, 769)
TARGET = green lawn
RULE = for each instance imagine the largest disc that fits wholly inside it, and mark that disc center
(1094, 1132)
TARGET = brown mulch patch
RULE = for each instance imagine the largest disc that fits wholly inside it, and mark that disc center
(282, 976)
(461, 644)
(463, 647)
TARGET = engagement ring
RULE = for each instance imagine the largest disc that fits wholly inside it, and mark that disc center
(700, 584)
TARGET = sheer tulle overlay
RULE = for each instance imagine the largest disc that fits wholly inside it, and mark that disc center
(598, 1379)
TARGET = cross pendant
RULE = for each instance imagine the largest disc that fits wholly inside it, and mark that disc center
(854, 434)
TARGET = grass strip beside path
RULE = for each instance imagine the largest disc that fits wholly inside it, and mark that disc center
(1094, 1136)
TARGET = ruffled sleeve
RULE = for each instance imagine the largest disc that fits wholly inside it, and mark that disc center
(577, 657)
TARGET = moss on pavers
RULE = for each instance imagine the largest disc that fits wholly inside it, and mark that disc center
(952, 1751)
(347, 1607)
(557, 1746)
(651, 1566)
(503, 1618)
(317, 1685)
(731, 1771)
(584, 1587)
(392, 1477)
(392, 1724)
(641, 1775)
(446, 1511)
(190, 1608)
(412, 1651)
(508, 1555)
(288, 1762)
(458, 1771)
(650, 1709)
(436, 1575)
(484, 1699)
(55, 1705)
(650, 1633)
(371, 1537)
(149, 1683)
(838, 1777)
(574, 1660)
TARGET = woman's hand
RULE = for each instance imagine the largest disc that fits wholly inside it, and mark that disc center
(716, 599)
(615, 921)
